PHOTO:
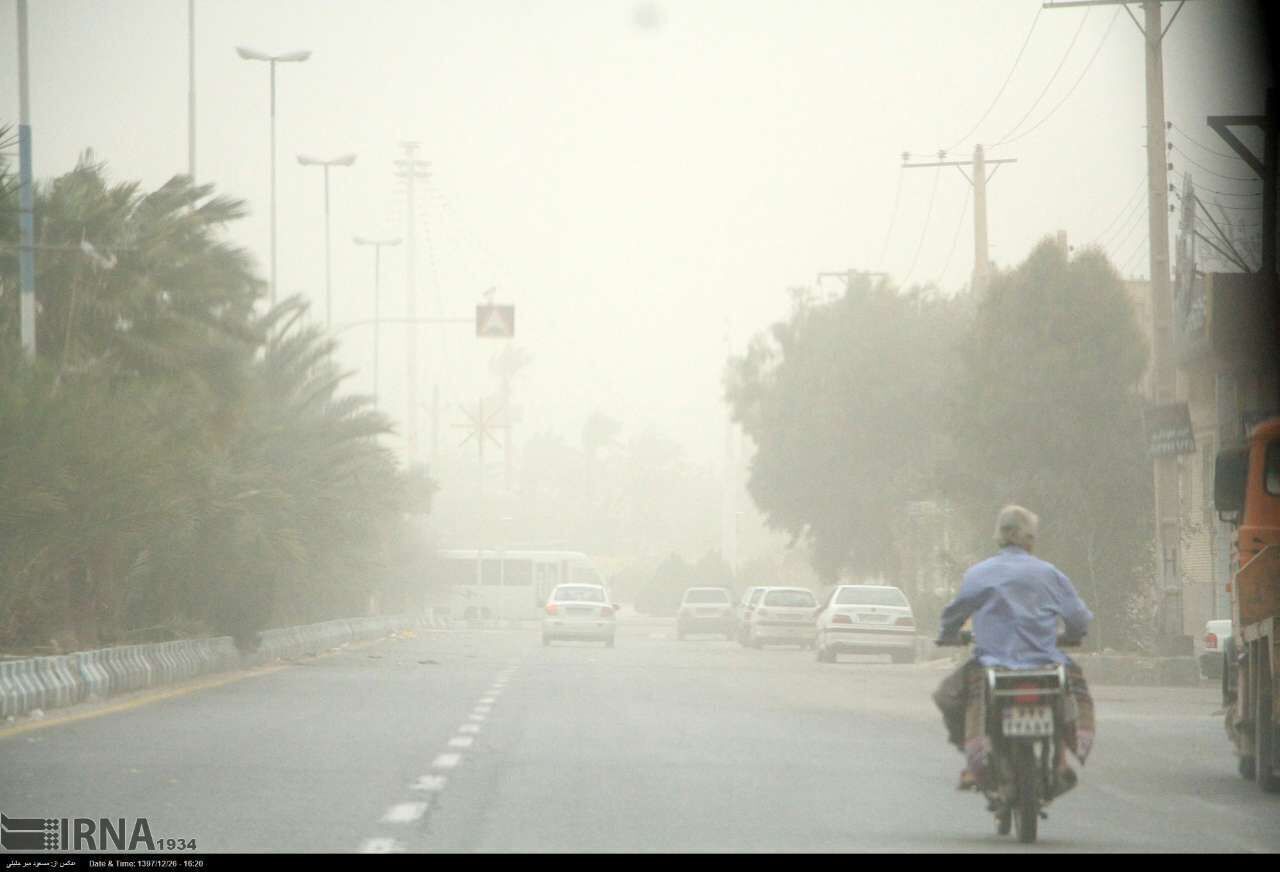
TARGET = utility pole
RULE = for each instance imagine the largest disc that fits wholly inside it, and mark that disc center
(411, 170)
(26, 204)
(1164, 381)
(191, 90)
(979, 163)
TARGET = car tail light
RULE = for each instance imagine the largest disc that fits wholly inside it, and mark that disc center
(606, 612)
(1026, 698)
(904, 621)
(552, 608)
(841, 619)
(1211, 640)
(762, 613)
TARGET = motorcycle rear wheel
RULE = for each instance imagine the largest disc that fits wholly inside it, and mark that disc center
(1026, 804)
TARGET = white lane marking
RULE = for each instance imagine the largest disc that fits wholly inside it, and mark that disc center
(461, 741)
(475, 717)
(404, 813)
(380, 846)
(469, 728)
(432, 783)
(482, 709)
(446, 761)
(488, 700)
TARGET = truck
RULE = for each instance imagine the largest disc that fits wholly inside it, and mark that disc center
(1247, 495)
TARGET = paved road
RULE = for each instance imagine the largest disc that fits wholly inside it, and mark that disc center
(486, 741)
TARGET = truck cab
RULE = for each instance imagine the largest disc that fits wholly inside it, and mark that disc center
(1247, 495)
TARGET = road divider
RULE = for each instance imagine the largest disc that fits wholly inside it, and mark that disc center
(40, 683)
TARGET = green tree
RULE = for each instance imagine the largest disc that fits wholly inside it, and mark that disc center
(1047, 413)
(843, 401)
(173, 460)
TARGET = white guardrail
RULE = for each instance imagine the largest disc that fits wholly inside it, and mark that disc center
(53, 682)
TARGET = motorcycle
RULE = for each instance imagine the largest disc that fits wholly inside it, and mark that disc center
(1026, 710)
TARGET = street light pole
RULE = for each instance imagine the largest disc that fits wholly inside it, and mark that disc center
(378, 245)
(26, 204)
(288, 57)
(345, 160)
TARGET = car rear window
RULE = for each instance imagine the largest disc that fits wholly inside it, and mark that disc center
(579, 595)
(706, 595)
(871, 596)
(792, 598)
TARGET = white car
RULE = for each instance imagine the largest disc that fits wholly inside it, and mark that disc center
(782, 615)
(867, 619)
(706, 610)
(579, 611)
(1211, 657)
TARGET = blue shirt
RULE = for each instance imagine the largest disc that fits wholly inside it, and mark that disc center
(1016, 600)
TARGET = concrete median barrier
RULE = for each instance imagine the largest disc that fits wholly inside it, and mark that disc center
(58, 681)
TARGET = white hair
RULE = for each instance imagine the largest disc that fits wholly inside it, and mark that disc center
(1016, 526)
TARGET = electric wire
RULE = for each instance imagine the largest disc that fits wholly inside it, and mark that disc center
(1194, 163)
(1083, 19)
(1189, 138)
(924, 227)
(1123, 211)
(1073, 87)
(1129, 262)
(964, 211)
(1007, 79)
(1200, 187)
(1138, 215)
(893, 217)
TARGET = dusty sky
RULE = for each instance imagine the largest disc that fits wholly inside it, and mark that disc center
(635, 177)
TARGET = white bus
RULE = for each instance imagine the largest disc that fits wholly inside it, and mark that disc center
(505, 584)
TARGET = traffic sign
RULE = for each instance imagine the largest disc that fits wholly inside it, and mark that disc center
(495, 322)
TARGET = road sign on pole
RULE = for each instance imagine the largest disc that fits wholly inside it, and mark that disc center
(495, 322)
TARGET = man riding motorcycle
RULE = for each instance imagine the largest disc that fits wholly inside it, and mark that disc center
(1015, 601)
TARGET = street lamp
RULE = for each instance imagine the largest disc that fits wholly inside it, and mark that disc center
(378, 245)
(345, 160)
(249, 54)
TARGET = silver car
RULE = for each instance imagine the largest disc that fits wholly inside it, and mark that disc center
(706, 610)
(782, 615)
(867, 619)
(579, 612)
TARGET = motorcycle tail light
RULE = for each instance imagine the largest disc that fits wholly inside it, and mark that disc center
(1026, 698)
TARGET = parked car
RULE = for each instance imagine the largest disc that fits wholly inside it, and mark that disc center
(866, 619)
(750, 597)
(579, 611)
(706, 610)
(782, 615)
(1212, 657)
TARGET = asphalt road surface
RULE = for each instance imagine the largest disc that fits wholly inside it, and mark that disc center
(483, 740)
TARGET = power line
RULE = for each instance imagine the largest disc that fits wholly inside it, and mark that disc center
(1123, 210)
(893, 217)
(1193, 162)
(1025, 42)
(1136, 217)
(924, 227)
(1049, 83)
(1072, 90)
(1200, 187)
(964, 210)
(1212, 151)
(1128, 263)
